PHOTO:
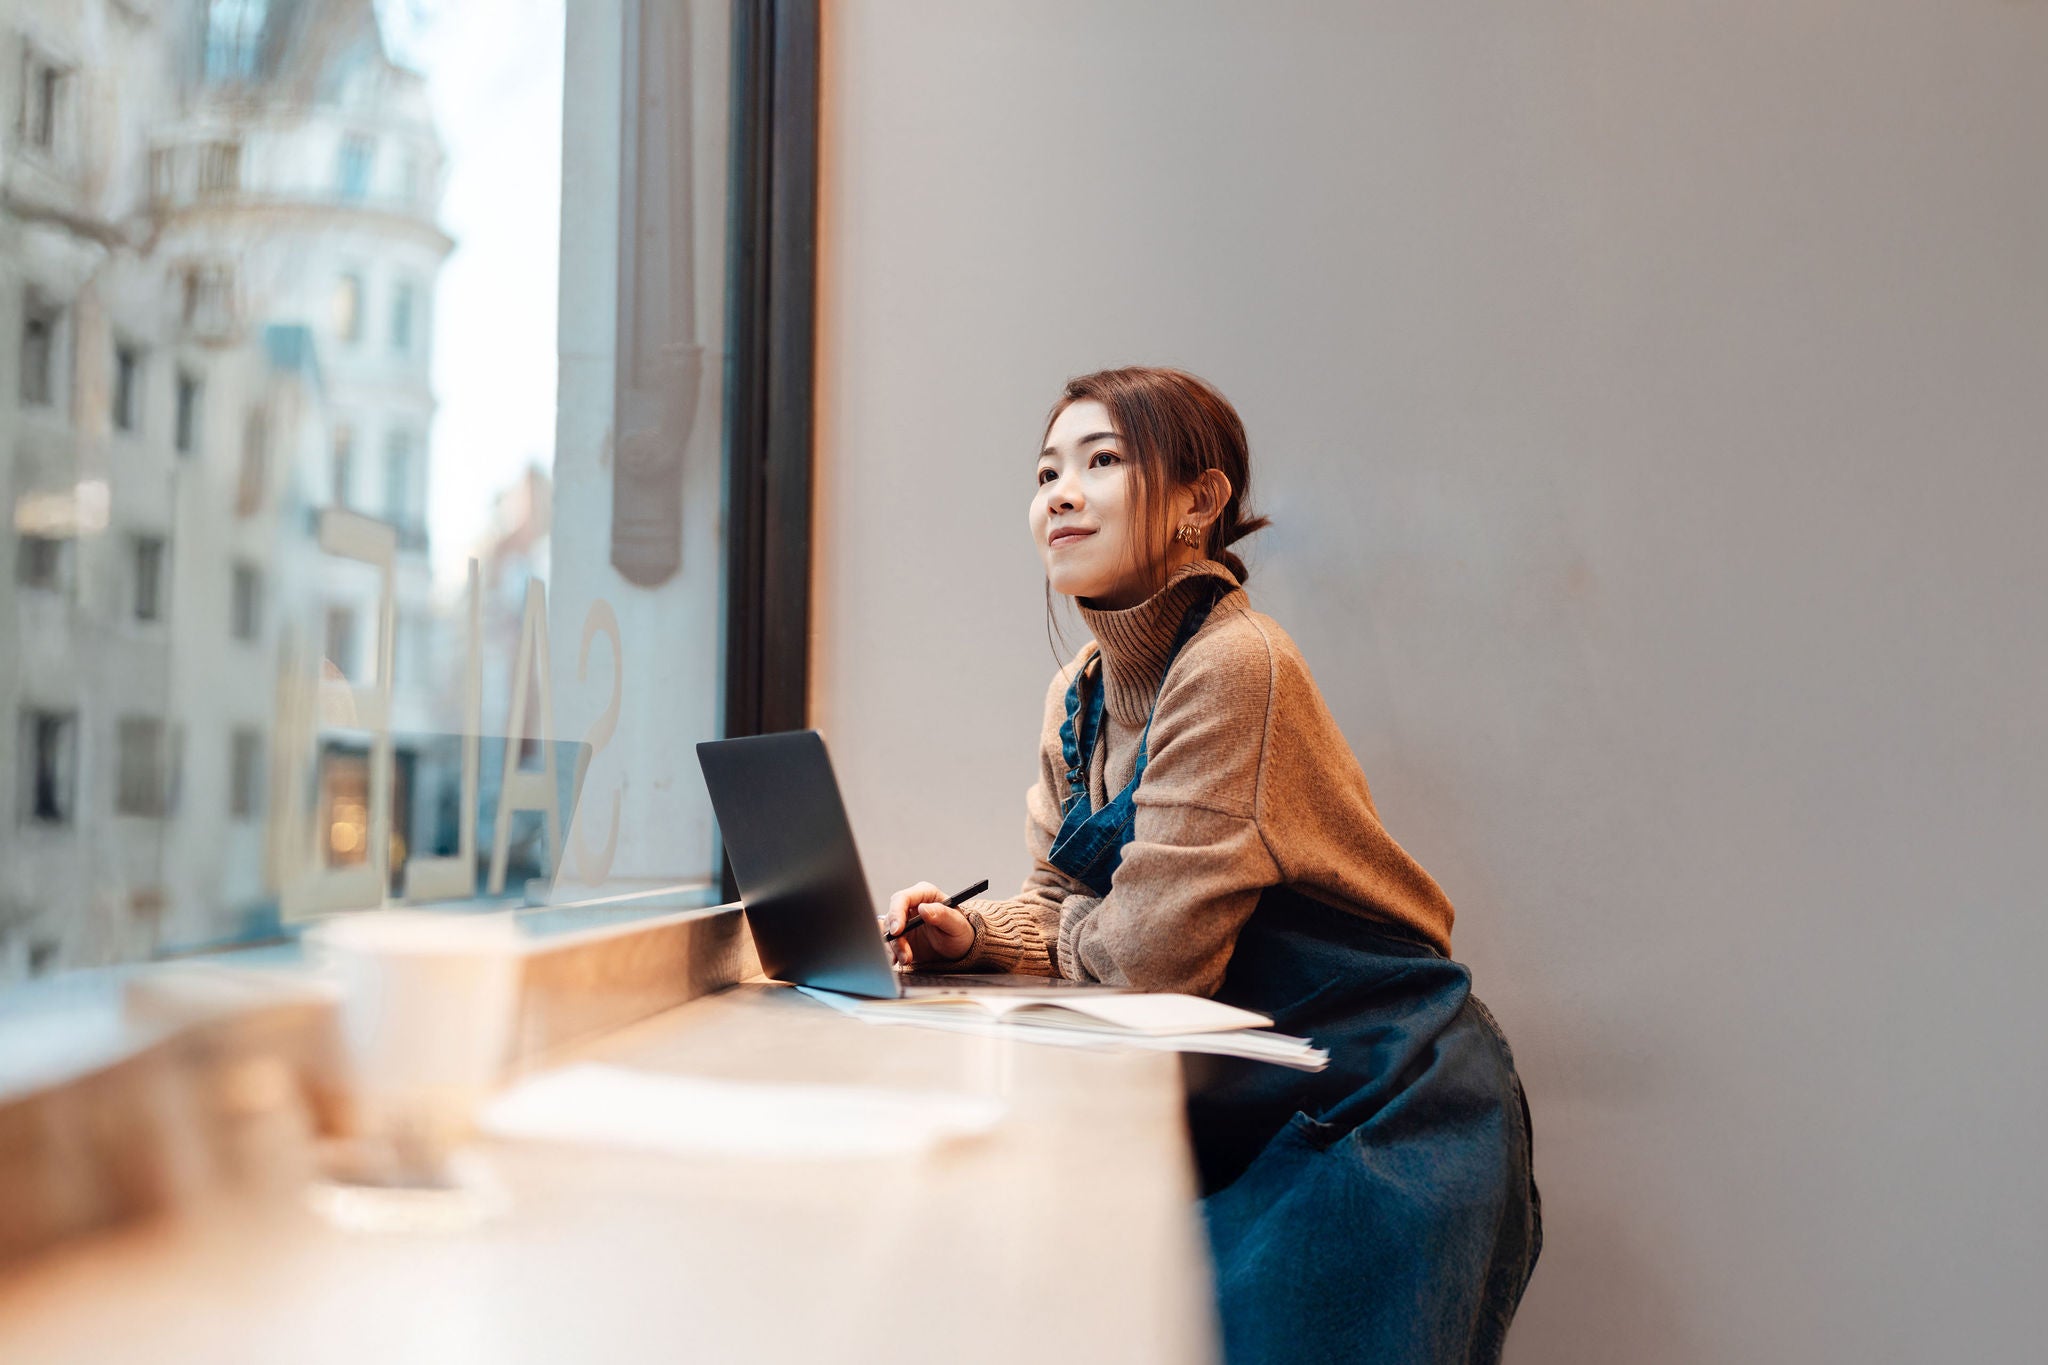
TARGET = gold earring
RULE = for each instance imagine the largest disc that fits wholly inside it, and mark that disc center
(1188, 535)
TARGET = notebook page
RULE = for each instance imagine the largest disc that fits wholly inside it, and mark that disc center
(1135, 1013)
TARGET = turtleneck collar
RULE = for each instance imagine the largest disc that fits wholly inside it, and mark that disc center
(1137, 643)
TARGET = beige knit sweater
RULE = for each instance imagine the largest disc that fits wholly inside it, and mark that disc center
(1249, 785)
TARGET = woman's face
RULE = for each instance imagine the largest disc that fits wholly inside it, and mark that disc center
(1082, 515)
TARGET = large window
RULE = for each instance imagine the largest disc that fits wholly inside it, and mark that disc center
(457, 492)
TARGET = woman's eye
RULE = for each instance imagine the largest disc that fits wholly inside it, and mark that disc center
(1102, 454)
(1044, 474)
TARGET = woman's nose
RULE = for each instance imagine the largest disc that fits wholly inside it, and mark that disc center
(1063, 498)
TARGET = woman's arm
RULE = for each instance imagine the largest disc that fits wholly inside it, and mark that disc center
(1197, 861)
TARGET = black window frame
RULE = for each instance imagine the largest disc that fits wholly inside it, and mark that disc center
(771, 295)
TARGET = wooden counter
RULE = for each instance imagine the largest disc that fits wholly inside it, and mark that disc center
(1070, 1234)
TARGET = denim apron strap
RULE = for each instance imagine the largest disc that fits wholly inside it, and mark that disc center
(1089, 845)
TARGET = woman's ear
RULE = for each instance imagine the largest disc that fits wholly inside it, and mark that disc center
(1212, 494)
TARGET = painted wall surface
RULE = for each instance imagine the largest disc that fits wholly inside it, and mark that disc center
(1650, 401)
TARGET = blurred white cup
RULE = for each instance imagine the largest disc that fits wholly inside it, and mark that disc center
(427, 1008)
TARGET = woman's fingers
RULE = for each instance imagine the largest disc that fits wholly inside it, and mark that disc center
(900, 904)
(945, 933)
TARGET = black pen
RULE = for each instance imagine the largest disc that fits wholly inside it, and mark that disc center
(913, 919)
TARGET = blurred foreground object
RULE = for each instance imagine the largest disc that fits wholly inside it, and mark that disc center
(221, 1080)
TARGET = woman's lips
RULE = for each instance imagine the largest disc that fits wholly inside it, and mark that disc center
(1059, 538)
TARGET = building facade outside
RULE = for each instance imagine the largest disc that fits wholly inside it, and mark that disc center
(218, 252)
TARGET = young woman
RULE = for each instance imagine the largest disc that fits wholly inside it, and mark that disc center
(1200, 825)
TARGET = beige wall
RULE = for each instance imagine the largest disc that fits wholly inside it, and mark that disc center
(1650, 400)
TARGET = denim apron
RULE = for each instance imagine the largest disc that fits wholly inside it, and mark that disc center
(1383, 1209)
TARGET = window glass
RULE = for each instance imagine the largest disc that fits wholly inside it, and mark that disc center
(246, 602)
(127, 386)
(348, 308)
(341, 466)
(42, 562)
(398, 478)
(141, 783)
(38, 351)
(401, 318)
(234, 28)
(245, 768)
(49, 750)
(405, 583)
(185, 435)
(356, 151)
(149, 578)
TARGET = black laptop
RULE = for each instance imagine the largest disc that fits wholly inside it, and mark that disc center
(806, 899)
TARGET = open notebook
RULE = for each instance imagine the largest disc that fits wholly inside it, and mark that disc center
(1175, 1023)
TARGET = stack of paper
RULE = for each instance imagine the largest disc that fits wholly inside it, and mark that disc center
(1166, 1022)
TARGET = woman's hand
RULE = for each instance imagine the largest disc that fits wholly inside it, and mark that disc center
(945, 935)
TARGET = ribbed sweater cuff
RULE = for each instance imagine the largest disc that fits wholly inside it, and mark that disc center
(1006, 939)
(1073, 915)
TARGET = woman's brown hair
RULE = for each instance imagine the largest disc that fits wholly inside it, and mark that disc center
(1174, 426)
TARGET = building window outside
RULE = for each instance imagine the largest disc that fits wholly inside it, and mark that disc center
(149, 578)
(255, 458)
(186, 436)
(342, 473)
(208, 298)
(341, 640)
(348, 308)
(49, 747)
(398, 479)
(141, 786)
(127, 386)
(174, 768)
(45, 89)
(401, 319)
(245, 773)
(234, 33)
(246, 613)
(38, 350)
(220, 168)
(43, 562)
(356, 154)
